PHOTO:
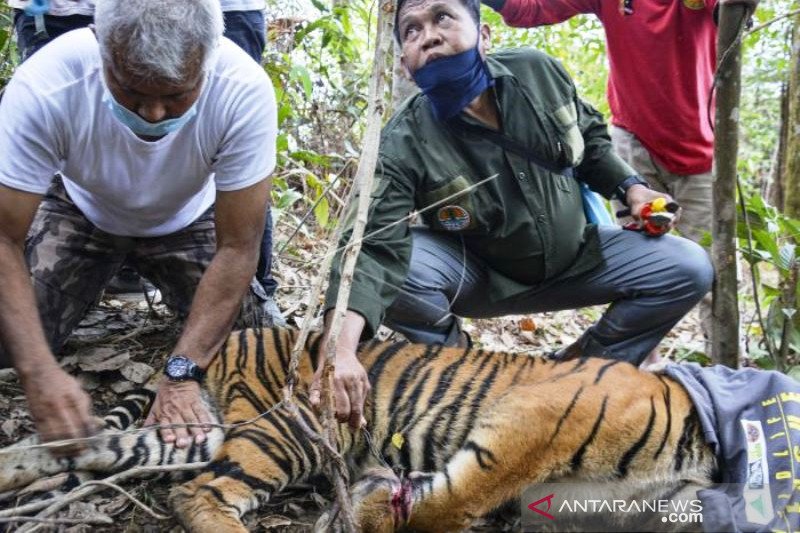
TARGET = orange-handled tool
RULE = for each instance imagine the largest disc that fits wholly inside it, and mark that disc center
(656, 217)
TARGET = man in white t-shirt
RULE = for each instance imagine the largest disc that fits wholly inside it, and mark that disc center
(149, 124)
(37, 22)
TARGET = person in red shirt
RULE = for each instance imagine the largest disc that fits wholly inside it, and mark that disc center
(661, 56)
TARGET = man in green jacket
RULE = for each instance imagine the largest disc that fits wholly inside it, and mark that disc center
(490, 154)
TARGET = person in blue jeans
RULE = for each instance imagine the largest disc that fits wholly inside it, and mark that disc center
(245, 25)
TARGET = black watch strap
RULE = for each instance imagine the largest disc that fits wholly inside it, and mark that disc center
(621, 191)
(178, 367)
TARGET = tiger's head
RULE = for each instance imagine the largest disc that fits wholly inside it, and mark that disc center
(381, 500)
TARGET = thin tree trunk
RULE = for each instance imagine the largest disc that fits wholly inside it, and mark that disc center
(402, 87)
(775, 186)
(791, 168)
(789, 301)
(725, 327)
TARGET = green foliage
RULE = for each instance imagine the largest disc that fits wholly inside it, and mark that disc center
(684, 355)
(774, 235)
(578, 43)
(320, 82)
(8, 50)
(768, 242)
(765, 68)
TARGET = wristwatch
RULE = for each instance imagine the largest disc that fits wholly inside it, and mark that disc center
(621, 192)
(181, 368)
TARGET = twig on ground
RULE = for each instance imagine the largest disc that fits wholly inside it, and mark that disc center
(144, 329)
(128, 495)
(104, 520)
(90, 487)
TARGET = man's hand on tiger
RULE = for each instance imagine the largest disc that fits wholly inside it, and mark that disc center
(179, 403)
(350, 389)
(60, 408)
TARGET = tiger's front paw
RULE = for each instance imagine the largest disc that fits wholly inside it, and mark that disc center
(381, 501)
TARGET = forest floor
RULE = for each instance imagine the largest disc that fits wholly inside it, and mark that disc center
(122, 342)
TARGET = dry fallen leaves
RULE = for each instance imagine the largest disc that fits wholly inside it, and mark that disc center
(527, 324)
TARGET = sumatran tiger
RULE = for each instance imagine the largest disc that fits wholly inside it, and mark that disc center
(476, 428)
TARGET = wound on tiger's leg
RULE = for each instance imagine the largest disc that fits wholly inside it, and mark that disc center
(473, 484)
(508, 449)
(381, 502)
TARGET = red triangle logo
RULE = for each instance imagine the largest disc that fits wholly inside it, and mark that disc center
(549, 500)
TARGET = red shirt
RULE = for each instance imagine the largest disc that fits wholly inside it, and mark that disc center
(662, 58)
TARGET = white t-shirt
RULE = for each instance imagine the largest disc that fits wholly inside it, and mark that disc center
(52, 119)
(62, 8)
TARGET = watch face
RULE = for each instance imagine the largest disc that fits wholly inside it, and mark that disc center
(178, 367)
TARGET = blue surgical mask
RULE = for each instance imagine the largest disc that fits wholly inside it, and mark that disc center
(452, 82)
(140, 126)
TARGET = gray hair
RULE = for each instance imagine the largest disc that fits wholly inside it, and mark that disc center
(158, 37)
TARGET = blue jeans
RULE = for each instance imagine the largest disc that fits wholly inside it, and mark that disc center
(29, 41)
(651, 283)
(245, 28)
(248, 30)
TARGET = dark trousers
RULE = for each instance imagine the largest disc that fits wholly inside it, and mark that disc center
(650, 283)
(246, 28)
(29, 41)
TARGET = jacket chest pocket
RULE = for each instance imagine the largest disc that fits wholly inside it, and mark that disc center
(570, 137)
(456, 208)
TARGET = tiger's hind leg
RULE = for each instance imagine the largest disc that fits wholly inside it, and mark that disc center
(254, 462)
(212, 504)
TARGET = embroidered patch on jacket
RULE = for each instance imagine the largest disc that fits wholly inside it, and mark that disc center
(756, 493)
(695, 4)
(453, 217)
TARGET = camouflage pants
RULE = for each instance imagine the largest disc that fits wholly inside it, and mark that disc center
(71, 261)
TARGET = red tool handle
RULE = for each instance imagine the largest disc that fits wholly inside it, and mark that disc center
(652, 224)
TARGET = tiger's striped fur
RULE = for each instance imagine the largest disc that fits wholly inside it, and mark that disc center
(478, 427)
